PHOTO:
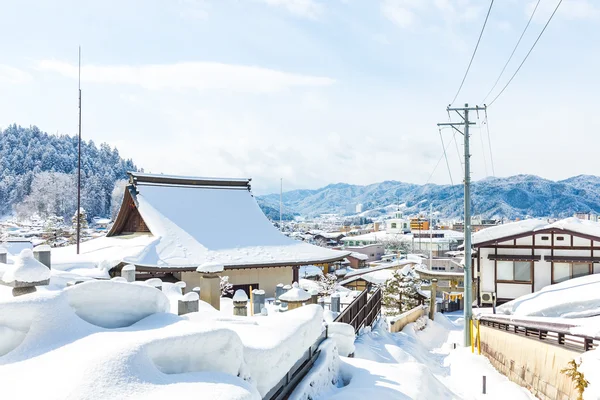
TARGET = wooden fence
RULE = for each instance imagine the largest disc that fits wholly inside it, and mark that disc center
(363, 311)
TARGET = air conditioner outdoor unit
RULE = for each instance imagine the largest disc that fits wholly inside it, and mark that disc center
(488, 298)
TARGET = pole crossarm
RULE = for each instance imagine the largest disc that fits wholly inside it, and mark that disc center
(476, 108)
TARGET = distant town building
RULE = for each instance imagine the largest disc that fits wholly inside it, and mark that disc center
(359, 208)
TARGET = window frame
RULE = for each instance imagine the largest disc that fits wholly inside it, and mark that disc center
(590, 270)
(530, 281)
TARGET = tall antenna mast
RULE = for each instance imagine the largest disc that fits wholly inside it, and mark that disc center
(281, 205)
(78, 213)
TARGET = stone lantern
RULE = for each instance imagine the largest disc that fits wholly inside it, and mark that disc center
(25, 274)
(295, 297)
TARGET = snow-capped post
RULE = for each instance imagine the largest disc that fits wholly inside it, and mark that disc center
(42, 254)
(196, 290)
(240, 303)
(484, 385)
(188, 304)
(155, 282)
(181, 285)
(259, 300)
(335, 302)
(210, 283)
(128, 272)
(284, 290)
(278, 292)
(432, 295)
(25, 274)
(3, 255)
(295, 297)
(314, 296)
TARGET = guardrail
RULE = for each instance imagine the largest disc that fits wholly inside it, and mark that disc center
(285, 386)
(556, 333)
(363, 310)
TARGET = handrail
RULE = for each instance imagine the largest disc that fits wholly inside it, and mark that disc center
(363, 310)
(298, 371)
(557, 333)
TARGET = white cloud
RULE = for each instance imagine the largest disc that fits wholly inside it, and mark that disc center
(303, 8)
(400, 12)
(189, 75)
(14, 76)
(569, 9)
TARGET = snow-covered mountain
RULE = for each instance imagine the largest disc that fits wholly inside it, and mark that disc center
(511, 197)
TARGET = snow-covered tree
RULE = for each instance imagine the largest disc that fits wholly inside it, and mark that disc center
(82, 220)
(226, 287)
(327, 284)
(116, 198)
(401, 291)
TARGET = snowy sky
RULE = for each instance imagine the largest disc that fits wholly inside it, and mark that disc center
(313, 91)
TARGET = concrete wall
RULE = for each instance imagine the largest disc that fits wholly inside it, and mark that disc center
(396, 324)
(267, 278)
(530, 363)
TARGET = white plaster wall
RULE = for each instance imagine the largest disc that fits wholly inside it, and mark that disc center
(577, 241)
(562, 243)
(525, 241)
(512, 290)
(487, 271)
(540, 242)
(542, 275)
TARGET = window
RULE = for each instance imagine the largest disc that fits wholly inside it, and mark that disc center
(566, 271)
(559, 238)
(393, 225)
(517, 271)
(545, 238)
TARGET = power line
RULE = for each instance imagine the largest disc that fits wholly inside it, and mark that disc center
(528, 53)
(446, 157)
(439, 161)
(487, 127)
(513, 52)
(474, 51)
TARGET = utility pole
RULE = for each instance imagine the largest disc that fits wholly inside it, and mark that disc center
(467, 243)
(78, 212)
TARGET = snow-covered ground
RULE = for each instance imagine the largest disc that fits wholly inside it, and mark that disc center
(116, 340)
(412, 364)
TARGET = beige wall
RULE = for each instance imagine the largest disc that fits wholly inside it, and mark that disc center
(396, 324)
(530, 363)
(267, 278)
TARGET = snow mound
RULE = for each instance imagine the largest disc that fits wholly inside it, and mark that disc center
(111, 304)
(26, 269)
(296, 293)
(343, 335)
(211, 267)
(240, 296)
(574, 298)
(323, 377)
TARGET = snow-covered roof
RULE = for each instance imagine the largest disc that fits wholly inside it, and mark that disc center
(359, 256)
(572, 224)
(193, 225)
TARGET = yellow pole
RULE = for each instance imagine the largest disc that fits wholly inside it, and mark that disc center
(478, 339)
(251, 302)
(471, 332)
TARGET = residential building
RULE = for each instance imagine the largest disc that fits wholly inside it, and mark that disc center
(374, 252)
(525, 256)
(191, 221)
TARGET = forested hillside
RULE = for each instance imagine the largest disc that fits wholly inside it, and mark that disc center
(38, 174)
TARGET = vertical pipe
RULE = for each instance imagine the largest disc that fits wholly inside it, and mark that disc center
(478, 339)
(484, 385)
(471, 336)
(431, 235)
(251, 301)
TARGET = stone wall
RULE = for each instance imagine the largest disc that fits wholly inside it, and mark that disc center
(530, 363)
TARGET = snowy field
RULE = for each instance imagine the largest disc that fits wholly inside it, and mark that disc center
(413, 364)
